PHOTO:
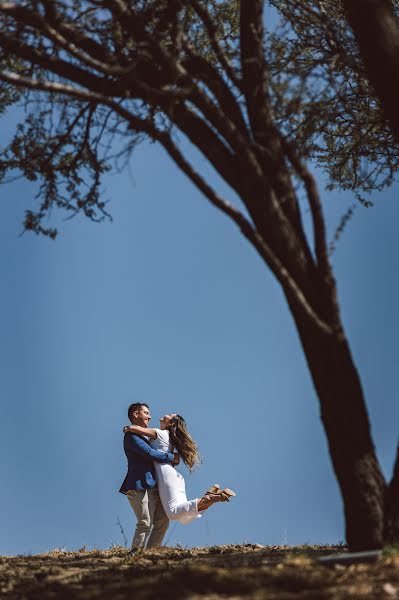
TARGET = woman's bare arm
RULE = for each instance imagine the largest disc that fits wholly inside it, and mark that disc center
(136, 429)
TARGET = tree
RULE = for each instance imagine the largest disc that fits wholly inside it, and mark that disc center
(257, 105)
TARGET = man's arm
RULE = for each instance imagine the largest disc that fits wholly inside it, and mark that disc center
(143, 448)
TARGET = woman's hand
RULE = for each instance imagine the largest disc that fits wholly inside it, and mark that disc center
(126, 428)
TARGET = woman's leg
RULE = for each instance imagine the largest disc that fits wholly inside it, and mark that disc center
(172, 491)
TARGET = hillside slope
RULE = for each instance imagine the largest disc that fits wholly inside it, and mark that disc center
(228, 572)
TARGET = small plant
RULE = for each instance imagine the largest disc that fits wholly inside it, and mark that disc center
(391, 550)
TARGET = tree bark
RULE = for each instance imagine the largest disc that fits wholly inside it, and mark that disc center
(377, 32)
(345, 421)
(391, 531)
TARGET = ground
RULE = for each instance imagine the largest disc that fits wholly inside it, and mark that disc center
(215, 573)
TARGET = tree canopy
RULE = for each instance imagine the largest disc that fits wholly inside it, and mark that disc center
(321, 97)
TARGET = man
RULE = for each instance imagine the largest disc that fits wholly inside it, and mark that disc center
(140, 485)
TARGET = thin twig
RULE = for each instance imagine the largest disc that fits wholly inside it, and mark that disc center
(122, 531)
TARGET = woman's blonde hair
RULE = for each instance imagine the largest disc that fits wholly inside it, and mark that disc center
(183, 442)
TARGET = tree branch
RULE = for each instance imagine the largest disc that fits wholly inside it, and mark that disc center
(130, 20)
(211, 30)
(319, 230)
(202, 136)
(253, 66)
(127, 85)
(56, 33)
(211, 77)
(64, 137)
(55, 65)
(64, 35)
(53, 87)
(227, 129)
(265, 133)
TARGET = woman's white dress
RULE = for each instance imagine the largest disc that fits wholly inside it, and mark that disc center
(171, 485)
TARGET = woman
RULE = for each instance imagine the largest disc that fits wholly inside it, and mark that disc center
(173, 434)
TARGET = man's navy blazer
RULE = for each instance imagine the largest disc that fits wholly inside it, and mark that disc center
(140, 466)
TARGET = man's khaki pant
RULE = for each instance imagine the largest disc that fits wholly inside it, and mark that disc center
(152, 521)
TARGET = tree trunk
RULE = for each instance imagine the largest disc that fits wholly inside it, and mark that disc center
(345, 420)
(377, 32)
(391, 532)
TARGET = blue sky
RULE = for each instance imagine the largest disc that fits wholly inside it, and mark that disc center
(169, 305)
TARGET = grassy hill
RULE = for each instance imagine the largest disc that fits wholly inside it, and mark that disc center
(219, 572)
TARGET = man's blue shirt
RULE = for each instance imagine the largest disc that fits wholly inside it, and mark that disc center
(140, 465)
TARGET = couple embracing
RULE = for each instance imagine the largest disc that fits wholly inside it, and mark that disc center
(155, 490)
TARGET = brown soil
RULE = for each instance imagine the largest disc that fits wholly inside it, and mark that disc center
(216, 573)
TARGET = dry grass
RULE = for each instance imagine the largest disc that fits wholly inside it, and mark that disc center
(220, 572)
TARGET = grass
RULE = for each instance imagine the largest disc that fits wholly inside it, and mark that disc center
(218, 572)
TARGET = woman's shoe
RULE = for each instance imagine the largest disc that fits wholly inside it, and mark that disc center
(208, 500)
(214, 489)
(226, 494)
(215, 494)
(211, 497)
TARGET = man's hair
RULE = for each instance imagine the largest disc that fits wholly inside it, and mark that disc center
(136, 406)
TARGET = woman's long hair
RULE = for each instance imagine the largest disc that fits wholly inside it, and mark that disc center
(183, 442)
